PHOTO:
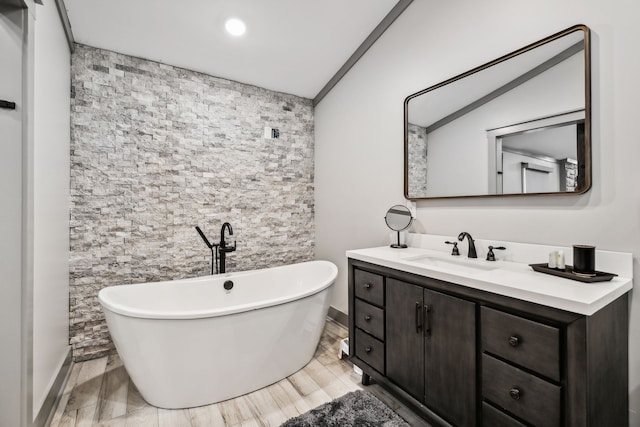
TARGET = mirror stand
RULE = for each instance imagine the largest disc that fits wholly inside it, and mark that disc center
(398, 245)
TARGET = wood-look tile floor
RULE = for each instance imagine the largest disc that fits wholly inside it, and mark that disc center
(99, 393)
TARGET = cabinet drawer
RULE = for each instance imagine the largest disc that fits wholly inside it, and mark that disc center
(370, 318)
(369, 286)
(527, 343)
(533, 399)
(492, 417)
(370, 350)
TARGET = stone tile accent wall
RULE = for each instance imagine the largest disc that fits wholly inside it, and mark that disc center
(417, 138)
(570, 182)
(156, 150)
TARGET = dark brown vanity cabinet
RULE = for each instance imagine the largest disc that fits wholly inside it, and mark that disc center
(431, 341)
(464, 357)
(368, 319)
(521, 367)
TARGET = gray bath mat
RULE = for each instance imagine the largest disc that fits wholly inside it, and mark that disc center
(356, 409)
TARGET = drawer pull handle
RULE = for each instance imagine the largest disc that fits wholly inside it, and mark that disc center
(515, 393)
(514, 341)
(368, 349)
(367, 285)
(367, 317)
(418, 317)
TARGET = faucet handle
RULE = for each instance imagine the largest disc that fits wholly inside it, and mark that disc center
(455, 250)
(490, 255)
(228, 248)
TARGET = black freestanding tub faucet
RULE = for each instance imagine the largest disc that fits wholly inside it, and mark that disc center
(223, 249)
(219, 250)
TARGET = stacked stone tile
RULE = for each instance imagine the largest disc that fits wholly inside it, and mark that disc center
(156, 150)
(571, 173)
(417, 142)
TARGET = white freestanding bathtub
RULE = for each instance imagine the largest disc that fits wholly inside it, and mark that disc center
(191, 342)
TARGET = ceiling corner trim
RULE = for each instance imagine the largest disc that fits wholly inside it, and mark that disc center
(66, 24)
(362, 49)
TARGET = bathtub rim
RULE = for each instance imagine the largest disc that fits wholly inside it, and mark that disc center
(128, 311)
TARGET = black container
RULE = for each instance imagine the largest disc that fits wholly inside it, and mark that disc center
(584, 259)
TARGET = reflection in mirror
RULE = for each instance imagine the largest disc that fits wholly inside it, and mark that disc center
(398, 218)
(537, 157)
(517, 125)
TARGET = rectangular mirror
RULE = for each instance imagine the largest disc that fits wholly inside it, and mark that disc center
(518, 125)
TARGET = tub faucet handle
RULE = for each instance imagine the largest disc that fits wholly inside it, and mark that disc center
(229, 248)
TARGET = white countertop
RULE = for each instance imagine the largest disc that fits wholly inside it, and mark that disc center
(511, 279)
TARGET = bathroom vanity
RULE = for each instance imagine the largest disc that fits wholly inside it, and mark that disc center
(469, 342)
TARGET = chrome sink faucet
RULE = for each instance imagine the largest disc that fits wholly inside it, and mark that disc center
(472, 245)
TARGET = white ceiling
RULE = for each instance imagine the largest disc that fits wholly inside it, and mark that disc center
(291, 46)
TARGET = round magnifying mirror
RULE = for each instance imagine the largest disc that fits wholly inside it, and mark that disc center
(398, 218)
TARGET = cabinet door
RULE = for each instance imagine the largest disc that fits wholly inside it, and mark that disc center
(404, 341)
(450, 357)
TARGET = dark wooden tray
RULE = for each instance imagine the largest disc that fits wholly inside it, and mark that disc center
(568, 273)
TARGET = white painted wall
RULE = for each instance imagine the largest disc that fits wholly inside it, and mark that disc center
(11, 214)
(34, 219)
(359, 128)
(52, 88)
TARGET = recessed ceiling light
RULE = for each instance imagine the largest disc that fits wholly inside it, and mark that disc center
(235, 27)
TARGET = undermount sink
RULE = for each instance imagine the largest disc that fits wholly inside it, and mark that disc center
(453, 264)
